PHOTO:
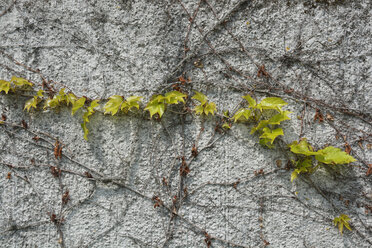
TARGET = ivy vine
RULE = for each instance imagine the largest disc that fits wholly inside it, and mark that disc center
(266, 117)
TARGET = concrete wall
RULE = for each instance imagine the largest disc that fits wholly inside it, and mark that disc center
(98, 48)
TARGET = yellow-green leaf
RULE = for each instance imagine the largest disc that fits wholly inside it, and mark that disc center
(90, 110)
(174, 97)
(243, 112)
(252, 103)
(20, 81)
(333, 155)
(200, 97)
(210, 108)
(276, 119)
(294, 175)
(226, 126)
(260, 125)
(113, 104)
(341, 221)
(271, 103)
(156, 107)
(4, 86)
(199, 109)
(40, 93)
(77, 105)
(131, 102)
(85, 129)
(51, 103)
(303, 148)
(70, 98)
(271, 134)
(31, 103)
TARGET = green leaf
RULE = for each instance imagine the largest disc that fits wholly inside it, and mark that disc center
(276, 119)
(31, 103)
(252, 103)
(131, 102)
(4, 86)
(77, 105)
(174, 97)
(113, 104)
(333, 155)
(156, 106)
(85, 129)
(40, 93)
(243, 112)
(51, 103)
(199, 109)
(294, 175)
(62, 95)
(226, 125)
(20, 81)
(200, 97)
(341, 221)
(90, 110)
(302, 166)
(266, 142)
(271, 103)
(260, 125)
(303, 148)
(94, 104)
(210, 108)
(70, 98)
(271, 134)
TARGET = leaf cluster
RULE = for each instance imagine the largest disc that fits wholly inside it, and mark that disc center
(328, 155)
(13, 84)
(205, 106)
(341, 221)
(158, 103)
(266, 114)
(117, 102)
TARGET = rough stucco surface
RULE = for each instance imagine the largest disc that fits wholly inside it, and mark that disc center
(321, 49)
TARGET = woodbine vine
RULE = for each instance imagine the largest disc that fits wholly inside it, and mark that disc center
(265, 116)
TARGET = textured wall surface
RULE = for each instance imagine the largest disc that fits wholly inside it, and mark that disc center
(317, 55)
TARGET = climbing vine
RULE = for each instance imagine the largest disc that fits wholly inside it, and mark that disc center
(171, 124)
(266, 116)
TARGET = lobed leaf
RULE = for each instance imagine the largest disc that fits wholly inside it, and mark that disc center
(260, 125)
(271, 103)
(271, 134)
(199, 109)
(341, 221)
(4, 86)
(70, 98)
(76, 105)
(302, 166)
(210, 108)
(333, 155)
(226, 125)
(276, 119)
(51, 102)
(31, 103)
(252, 103)
(200, 97)
(303, 148)
(156, 106)
(174, 97)
(90, 110)
(20, 81)
(131, 102)
(113, 105)
(243, 112)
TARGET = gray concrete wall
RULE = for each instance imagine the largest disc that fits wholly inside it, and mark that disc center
(321, 49)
